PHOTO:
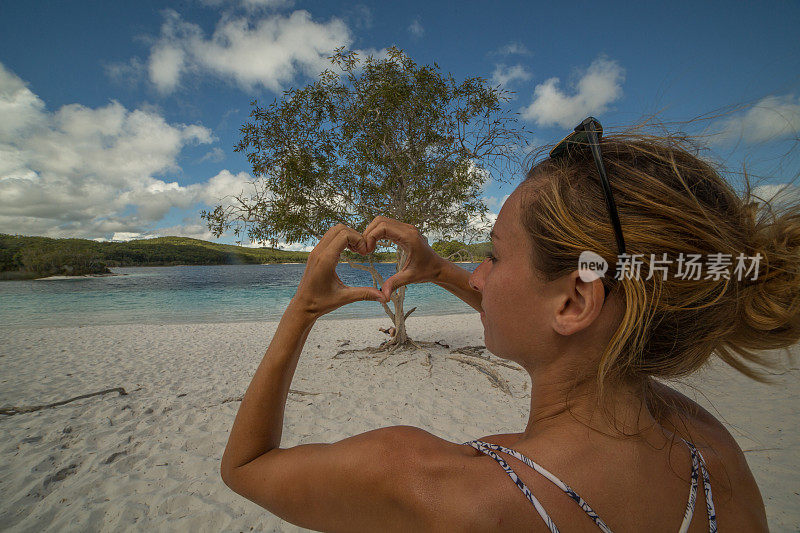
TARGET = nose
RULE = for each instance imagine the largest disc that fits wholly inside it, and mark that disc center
(476, 278)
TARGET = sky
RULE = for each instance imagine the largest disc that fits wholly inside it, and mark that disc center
(118, 119)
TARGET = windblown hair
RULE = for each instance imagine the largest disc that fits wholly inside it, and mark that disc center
(671, 201)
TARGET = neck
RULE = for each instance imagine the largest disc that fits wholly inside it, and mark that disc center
(564, 404)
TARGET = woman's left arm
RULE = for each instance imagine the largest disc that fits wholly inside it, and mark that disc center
(259, 422)
(258, 425)
(381, 478)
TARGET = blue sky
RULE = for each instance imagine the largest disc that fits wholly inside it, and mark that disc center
(118, 119)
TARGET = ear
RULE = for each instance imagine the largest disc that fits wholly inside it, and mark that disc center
(579, 303)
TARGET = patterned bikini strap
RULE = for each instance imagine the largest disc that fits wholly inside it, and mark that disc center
(486, 448)
(479, 445)
(698, 468)
(690, 504)
(697, 459)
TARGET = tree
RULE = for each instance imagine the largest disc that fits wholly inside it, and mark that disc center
(393, 139)
(452, 250)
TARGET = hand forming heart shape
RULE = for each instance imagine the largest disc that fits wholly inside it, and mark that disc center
(321, 290)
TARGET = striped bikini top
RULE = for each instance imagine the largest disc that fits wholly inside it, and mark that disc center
(698, 468)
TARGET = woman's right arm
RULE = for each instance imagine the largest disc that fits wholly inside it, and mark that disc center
(456, 280)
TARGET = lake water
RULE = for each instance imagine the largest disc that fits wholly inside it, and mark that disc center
(195, 294)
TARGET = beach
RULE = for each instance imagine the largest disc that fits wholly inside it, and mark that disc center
(149, 460)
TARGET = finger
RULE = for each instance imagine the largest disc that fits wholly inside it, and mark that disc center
(346, 237)
(372, 224)
(370, 227)
(332, 240)
(392, 229)
(378, 221)
(323, 242)
(357, 294)
(401, 279)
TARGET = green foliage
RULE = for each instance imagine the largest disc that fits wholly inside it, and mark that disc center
(384, 137)
(458, 251)
(24, 257)
(376, 257)
(447, 248)
(71, 261)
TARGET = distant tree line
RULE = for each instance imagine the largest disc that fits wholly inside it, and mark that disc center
(32, 257)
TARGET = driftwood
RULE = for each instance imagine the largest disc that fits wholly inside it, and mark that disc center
(368, 350)
(494, 378)
(470, 350)
(9, 411)
(475, 351)
(303, 393)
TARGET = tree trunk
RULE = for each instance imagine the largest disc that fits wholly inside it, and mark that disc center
(398, 317)
(401, 336)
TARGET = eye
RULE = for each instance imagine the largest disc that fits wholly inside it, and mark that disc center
(490, 255)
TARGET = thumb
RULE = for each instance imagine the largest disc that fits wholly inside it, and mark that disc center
(365, 293)
(400, 279)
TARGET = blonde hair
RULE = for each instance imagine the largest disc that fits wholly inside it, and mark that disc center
(670, 201)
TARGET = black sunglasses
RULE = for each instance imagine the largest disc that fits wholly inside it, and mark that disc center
(589, 132)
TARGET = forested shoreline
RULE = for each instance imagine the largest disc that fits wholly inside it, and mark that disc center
(23, 257)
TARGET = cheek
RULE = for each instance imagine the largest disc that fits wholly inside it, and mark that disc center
(499, 300)
(507, 297)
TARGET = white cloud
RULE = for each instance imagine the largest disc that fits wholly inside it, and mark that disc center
(359, 16)
(20, 109)
(479, 173)
(296, 247)
(125, 236)
(513, 48)
(223, 184)
(216, 155)
(268, 53)
(93, 173)
(416, 29)
(772, 118)
(504, 75)
(599, 86)
(251, 5)
(779, 194)
(196, 230)
(129, 74)
(494, 204)
(165, 66)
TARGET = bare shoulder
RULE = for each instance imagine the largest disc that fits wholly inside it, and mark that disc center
(443, 480)
(457, 488)
(734, 486)
(389, 478)
(503, 439)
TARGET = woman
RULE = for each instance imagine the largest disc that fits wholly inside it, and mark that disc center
(605, 446)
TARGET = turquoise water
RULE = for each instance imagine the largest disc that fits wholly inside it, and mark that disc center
(194, 294)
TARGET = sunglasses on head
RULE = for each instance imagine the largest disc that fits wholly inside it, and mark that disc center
(588, 132)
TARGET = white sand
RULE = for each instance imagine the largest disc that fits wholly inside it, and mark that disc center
(82, 276)
(150, 460)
